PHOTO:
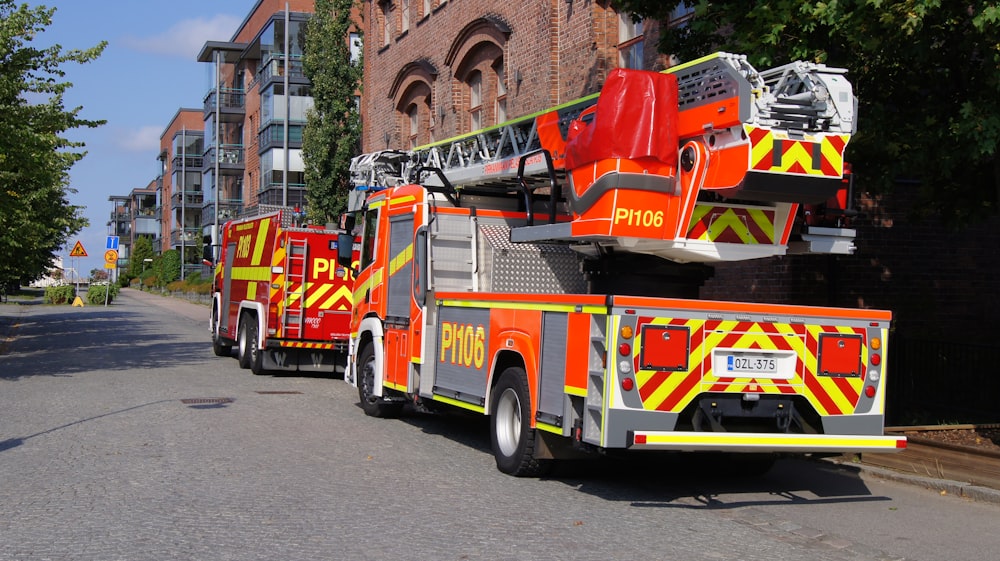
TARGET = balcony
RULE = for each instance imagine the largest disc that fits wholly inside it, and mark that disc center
(273, 68)
(231, 159)
(191, 162)
(192, 199)
(191, 236)
(228, 209)
(232, 104)
(272, 135)
(271, 194)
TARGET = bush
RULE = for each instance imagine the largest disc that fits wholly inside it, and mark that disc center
(60, 294)
(97, 293)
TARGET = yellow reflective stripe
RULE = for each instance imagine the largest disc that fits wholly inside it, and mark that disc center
(406, 199)
(252, 291)
(401, 259)
(571, 390)
(548, 428)
(258, 249)
(250, 273)
(393, 386)
(462, 404)
(523, 306)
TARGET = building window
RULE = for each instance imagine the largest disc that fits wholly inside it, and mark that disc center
(630, 42)
(427, 8)
(501, 102)
(404, 16)
(680, 15)
(386, 14)
(355, 46)
(476, 100)
(413, 119)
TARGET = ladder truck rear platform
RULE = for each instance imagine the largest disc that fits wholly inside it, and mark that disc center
(545, 272)
(279, 295)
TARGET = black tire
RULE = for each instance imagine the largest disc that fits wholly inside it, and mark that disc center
(246, 340)
(373, 405)
(511, 434)
(218, 347)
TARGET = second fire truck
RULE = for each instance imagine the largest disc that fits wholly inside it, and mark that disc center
(545, 272)
(279, 295)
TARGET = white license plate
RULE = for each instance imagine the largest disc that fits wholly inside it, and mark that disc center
(751, 364)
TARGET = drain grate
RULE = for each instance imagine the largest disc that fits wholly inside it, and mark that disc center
(280, 392)
(206, 400)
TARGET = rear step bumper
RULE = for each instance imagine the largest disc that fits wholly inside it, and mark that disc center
(762, 442)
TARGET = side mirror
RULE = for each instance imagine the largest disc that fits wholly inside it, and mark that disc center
(345, 250)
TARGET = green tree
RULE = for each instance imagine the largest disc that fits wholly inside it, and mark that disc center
(926, 73)
(333, 126)
(36, 217)
(142, 249)
(167, 267)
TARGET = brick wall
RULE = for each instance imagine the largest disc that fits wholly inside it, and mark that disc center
(560, 50)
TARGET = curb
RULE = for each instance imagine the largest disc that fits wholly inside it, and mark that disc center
(943, 486)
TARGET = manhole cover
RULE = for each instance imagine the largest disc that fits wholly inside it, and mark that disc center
(279, 392)
(206, 400)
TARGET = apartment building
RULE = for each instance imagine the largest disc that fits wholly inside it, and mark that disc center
(439, 68)
(253, 115)
(178, 193)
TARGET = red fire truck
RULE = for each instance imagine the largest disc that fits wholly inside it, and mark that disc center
(280, 297)
(546, 272)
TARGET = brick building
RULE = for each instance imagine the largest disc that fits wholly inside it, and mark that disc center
(436, 69)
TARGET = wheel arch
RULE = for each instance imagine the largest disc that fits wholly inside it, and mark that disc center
(505, 359)
(257, 309)
(370, 332)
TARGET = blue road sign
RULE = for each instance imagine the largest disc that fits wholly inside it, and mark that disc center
(112, 243)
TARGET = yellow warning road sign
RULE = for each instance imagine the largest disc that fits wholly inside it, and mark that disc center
(78, 250)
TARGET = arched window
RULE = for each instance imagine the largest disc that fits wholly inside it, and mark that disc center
(476, 58)
(411, 92)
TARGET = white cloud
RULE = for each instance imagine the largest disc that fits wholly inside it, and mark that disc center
(186, 38)
(144, 139)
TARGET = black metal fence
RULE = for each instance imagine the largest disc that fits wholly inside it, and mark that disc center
(933, 382)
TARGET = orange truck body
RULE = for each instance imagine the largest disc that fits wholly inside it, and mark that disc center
(280, 297)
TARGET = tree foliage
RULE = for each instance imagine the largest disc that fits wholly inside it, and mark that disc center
(926, 73)
(333, 126)
(142, 249)
(36, 217)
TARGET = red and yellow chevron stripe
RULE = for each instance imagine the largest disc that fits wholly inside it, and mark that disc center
(821, 155)
(724, 224)
(673, 391)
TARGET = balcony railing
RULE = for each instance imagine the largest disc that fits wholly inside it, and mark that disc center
(190, 236)
(273, 134)
(228, 209)
(231, 100)
(191, 198)
(192, 163)
(274, 67)
(271, 194)
(229, 155)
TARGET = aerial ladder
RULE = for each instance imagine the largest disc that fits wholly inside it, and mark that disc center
(725, 163)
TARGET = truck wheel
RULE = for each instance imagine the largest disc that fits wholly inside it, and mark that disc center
(246, 340)
(218, 347)
(372, 405)
(511, 434)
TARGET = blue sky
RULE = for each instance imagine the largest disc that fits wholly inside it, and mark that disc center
(147, 72)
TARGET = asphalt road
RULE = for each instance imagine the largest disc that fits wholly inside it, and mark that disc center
(123, 438)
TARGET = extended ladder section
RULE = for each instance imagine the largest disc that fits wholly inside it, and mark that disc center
(295, 279)
(708, 161)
